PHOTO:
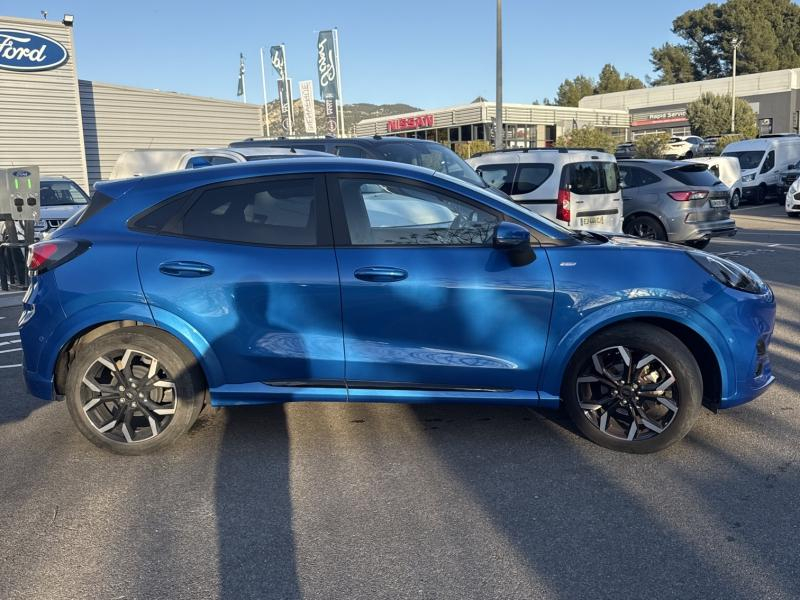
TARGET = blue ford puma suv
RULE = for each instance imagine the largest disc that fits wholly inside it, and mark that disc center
(369, 281)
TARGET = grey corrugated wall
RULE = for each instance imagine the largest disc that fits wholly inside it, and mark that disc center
(40, 121)
(118, 118)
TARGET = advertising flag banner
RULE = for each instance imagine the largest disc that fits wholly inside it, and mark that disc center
(328, 78)
(285, 98)
(278, 60)
(307, 102)
(240, 90)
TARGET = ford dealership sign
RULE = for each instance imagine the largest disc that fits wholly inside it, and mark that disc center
(26, 51)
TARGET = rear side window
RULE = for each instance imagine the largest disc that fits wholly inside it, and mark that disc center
(350, 152)
(278, 212)
(531, 176)
(500, 177)
(595, 177)
(158, 217)
(634, 177)
(699, 176)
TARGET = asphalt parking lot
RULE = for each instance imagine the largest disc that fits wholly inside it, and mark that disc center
(394, 501)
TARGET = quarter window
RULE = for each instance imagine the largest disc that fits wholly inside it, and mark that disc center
(350, 152)
(391, 213)
(531, 176)
(278, 212)
(585, 178)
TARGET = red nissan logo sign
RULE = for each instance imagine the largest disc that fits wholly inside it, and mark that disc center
(409, 123)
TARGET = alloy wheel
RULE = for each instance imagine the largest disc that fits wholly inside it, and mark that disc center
(128, 396)
(643, 230)
(627, 393)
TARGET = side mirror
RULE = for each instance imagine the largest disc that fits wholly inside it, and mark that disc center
(515, 240)
(508, 236)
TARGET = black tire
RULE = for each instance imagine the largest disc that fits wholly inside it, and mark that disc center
(689, 154)
(164, 399)
(699, 244)
(645, 227)
(759, 196)
(671, 358)
(792, 215)
(736, 199)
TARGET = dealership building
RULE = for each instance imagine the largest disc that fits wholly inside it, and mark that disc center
(77, 128)
(774, 96)
(525, 125)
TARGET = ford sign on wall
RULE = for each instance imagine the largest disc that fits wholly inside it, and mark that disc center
(26, 51)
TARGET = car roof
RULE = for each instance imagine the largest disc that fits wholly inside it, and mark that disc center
(358, 141)
(656, 163)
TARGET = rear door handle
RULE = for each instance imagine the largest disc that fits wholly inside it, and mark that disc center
(186, 268)
(380, 274)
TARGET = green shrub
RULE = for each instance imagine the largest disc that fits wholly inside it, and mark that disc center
(588, 137)
(467, 149)
(651, 145)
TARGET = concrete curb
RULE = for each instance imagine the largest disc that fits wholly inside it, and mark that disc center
(8, 299)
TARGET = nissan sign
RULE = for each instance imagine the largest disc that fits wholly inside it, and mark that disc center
(26, 51)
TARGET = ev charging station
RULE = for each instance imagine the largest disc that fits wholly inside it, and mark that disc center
(19, 202)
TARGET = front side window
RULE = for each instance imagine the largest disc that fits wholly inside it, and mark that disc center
(60, 193)
(431, 156)
(393, 213)
(586, 178)
(769, 162)
(500, 177)
(278, 212)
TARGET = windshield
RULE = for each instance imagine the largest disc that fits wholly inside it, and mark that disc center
(432, 156)
(61, 193)
(748, 159)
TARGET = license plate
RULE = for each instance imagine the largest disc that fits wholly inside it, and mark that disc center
(582, 221)
(718, 202)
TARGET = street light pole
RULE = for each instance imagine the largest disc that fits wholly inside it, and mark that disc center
(498, 121)
(736, 43)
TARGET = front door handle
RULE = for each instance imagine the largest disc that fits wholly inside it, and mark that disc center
(380, 274)
(186, 268)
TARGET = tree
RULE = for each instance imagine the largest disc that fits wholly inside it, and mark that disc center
(611, 81)
(651, 145)
(768, 29)
(710, 114)
(572, 90)
(588, 137)
(673, 64)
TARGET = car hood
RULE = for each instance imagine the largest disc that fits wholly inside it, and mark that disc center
(629, 241)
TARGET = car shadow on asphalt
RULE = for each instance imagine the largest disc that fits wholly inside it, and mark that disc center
(253, 506)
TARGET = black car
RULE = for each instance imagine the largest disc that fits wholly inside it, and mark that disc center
(788, 177)
(625, 150)
(411, 151)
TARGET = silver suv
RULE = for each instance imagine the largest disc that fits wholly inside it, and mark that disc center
(676, 201)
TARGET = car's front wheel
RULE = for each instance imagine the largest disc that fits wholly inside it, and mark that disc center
(633, 388)
(736, 199)
(134, 390)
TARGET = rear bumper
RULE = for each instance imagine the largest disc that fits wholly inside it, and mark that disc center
(705, 231)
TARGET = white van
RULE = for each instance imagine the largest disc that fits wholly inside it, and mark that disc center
(138, 163)
(762, 160)
(576, 187)
(726, 169)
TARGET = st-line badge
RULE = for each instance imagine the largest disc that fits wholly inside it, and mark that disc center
(26, 51)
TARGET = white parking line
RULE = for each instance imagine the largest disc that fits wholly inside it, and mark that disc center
(16, 333)
(11, 342)
(11, 350)
(9, 366)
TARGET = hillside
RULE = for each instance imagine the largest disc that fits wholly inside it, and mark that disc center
(353, 113)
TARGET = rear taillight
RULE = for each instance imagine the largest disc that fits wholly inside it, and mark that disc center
(47, 255)
(563, 206)
(687, 195)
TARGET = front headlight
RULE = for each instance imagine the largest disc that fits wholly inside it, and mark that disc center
(730, 273)
(749, 177)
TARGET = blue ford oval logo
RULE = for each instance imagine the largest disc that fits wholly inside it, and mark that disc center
(26, 51)
(21, 173)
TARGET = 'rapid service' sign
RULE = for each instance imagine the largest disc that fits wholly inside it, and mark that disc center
(26, 51)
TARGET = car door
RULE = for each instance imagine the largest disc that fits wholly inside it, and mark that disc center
(638, 195)
(427, 303)
(249, 267)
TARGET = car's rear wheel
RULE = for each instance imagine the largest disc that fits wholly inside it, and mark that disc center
(736, 199)
(689, 154)
(645, 227)
(634, 388)
(699, 244)
(134, 390)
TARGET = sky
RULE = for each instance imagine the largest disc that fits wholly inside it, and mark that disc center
(427, 53)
